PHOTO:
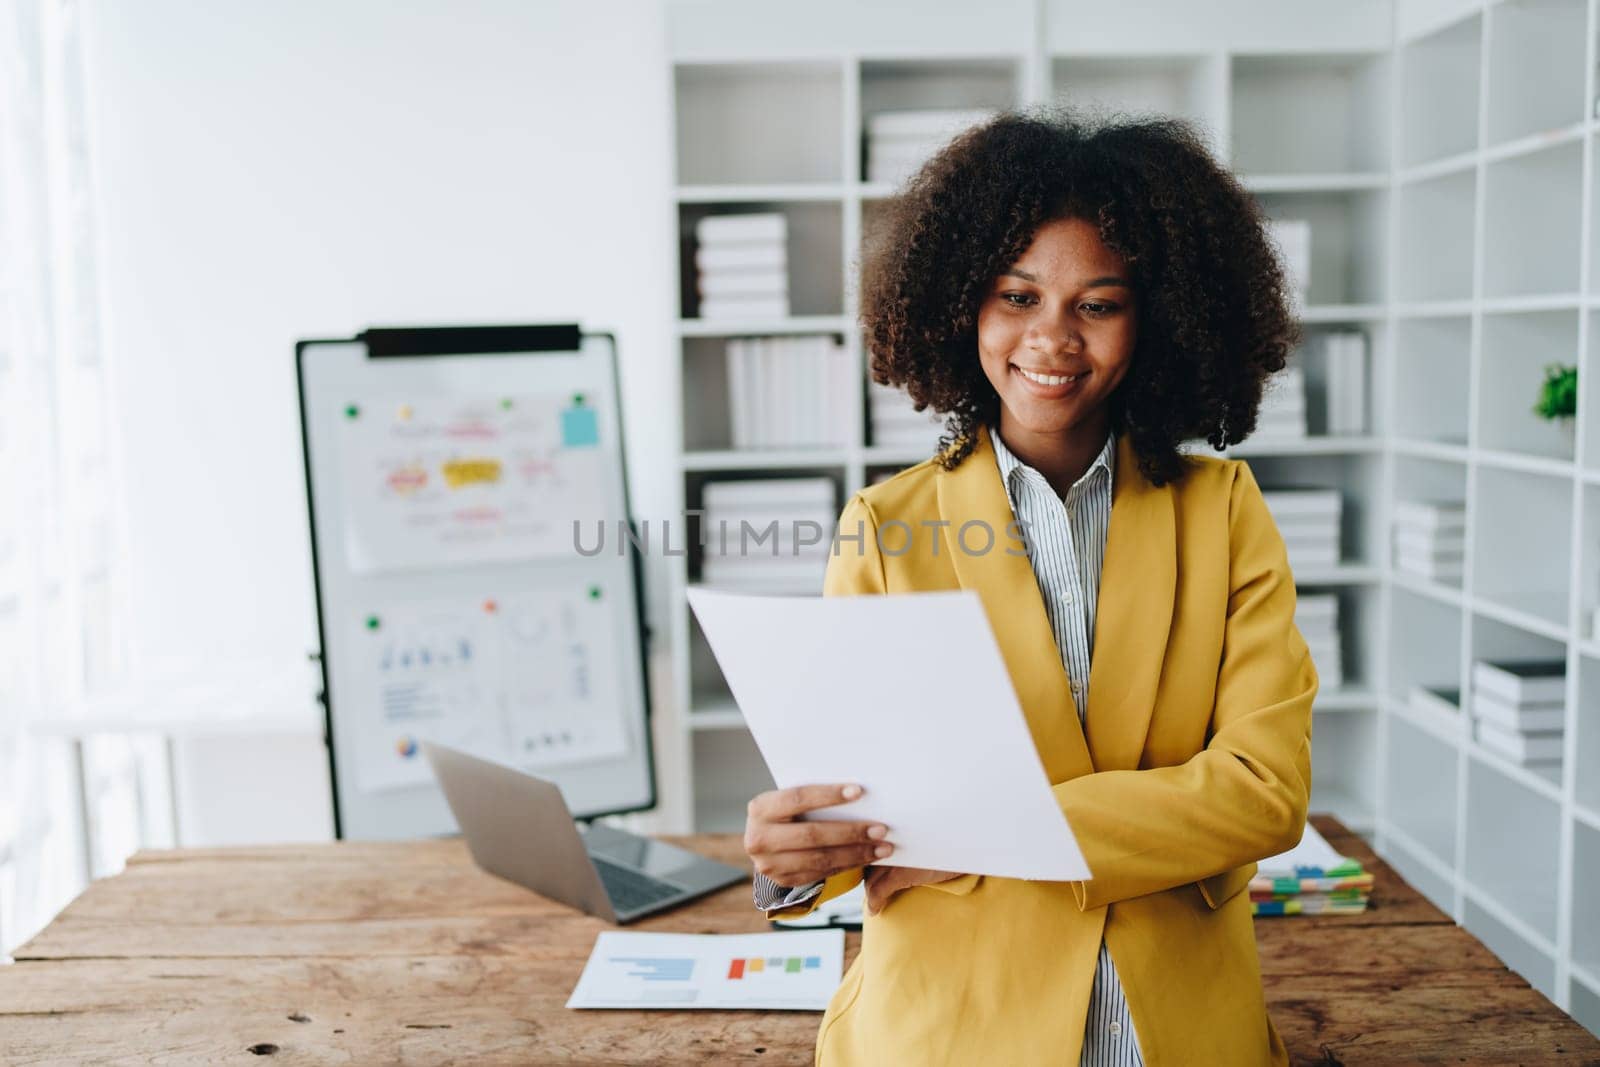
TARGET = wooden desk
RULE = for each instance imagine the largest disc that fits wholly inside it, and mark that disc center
(360, 953)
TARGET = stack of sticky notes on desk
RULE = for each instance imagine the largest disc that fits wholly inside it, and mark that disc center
(1310, 879)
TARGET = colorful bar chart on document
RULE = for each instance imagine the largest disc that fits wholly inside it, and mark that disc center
(781, 971)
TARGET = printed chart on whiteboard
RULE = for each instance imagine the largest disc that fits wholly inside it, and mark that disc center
(500, 675)
(452, 479)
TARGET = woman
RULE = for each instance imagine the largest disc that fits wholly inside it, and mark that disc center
(1080, 300)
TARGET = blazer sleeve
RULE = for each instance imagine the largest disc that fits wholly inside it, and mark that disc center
(1244, 796)
(855, 568)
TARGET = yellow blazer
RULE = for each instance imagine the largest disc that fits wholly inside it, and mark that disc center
(1195, 764)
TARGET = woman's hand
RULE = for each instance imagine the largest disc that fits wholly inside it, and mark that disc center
(884, 882)
(793, 852)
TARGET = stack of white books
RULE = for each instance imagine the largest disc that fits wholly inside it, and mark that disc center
(1518, 709)
(1316, 616)
(789, 392)
(1344, 354)
(1309, 521)
(1293, 238)
(1283, 405)
(1430, 538)
(896, 424)
(742, 265)
(900, 142)
(755, 534)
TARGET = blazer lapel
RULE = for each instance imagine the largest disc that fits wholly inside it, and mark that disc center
(1005, 582)
(1138, 585)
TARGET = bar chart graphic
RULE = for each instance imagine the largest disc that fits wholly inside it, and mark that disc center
(658, 968)
(741, 966)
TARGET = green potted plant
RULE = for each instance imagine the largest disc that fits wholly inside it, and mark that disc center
(1558, 397)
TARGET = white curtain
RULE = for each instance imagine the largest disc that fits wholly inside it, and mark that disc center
(59, 554)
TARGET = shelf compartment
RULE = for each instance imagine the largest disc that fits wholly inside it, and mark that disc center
(1536, 60)
(1521, 543)
(1440, 81)
(708, 400)
(1421, 870)
(695, 530)
(1487, 921)
(1587, 786)
(728, 771)
(1425, 644)
(1347, 241)
(1531, 244)
(814, 255)
(1432, 378)
(1308, 114)
(1585, 877)
(760, 123)
(1433, 239)
(1183, 86)
(1516, 349)
(889, 85)
(1589, 397)
(1312, 358)
(1584, 1003)
(1358, 633)
(1513, 846)
(1358, 477)
(1423, 772)
(1344, 769)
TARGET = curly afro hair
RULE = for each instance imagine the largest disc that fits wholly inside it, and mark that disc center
(1214, 318)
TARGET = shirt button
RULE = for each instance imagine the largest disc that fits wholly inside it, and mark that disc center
(1116, 1029)
(1066, 596)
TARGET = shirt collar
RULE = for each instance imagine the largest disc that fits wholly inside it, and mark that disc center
(1013, 471)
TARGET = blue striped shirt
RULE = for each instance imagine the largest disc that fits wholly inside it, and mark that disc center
(1066, 543)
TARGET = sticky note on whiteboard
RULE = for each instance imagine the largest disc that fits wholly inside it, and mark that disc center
(579, 428)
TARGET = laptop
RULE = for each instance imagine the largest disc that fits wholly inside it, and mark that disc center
(519, 828)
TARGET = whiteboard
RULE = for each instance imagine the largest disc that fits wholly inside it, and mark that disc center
(474, 582)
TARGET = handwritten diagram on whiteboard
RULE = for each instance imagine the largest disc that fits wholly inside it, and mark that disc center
(509, 677)
(446, 480)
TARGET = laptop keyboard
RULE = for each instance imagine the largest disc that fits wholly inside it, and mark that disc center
(628, 889)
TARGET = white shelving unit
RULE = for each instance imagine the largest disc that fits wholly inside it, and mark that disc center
(1493, 239)
(1443, 153)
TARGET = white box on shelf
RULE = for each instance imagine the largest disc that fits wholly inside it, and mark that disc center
(1518, 682)
(760, 228)
(1345, 355)
(1523, 749)
(1440, 515)
(745, 307)
(1525, 718)
(1287, 503)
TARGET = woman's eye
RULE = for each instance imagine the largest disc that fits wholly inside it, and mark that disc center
(1098, 308)
(1016, 299)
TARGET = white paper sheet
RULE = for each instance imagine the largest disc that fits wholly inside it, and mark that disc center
(1312, 851)
(789, 971)
(906, 695)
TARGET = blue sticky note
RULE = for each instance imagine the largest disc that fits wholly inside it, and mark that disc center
(579, 428)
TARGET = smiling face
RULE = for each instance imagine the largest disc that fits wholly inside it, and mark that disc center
(1056, 333)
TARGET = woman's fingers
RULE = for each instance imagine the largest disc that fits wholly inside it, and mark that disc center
(801, 836)
(811, 865)
(777, 805)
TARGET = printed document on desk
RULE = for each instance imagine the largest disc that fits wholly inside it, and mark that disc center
(783, 972)
(906, 695)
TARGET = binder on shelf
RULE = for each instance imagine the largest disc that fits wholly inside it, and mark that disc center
(1345, 359)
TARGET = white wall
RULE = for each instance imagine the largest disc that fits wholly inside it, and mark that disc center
(274, 171)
